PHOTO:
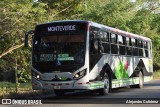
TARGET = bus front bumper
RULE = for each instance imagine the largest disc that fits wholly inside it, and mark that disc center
(48, 85)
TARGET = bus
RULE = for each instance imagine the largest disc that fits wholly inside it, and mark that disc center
(71, 55)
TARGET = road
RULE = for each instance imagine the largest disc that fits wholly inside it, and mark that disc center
(150, 91)
(148, 95)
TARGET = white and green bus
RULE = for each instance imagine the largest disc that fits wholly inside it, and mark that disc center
(83, 55)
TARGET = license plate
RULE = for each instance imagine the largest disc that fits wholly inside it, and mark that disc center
(56, 87)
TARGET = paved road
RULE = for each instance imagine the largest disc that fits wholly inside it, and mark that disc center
(150, 93)
(147, 96)
(150, 90)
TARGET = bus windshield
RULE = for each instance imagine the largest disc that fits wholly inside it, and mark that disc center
(60, 49)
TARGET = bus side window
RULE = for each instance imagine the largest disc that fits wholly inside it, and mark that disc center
(140, 46)
(145, 43)
(93, 40)
(121, 43)
(114, 48)
(105, 42)
(120, 39)
(113, 38)
(100, 41)
(134, 48)
(106, 36)
(128, 46)
(149, 50)
(133, 41)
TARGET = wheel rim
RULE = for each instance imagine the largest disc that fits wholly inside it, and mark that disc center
(106, 82)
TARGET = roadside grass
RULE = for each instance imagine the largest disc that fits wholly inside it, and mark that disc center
(10, 84)
(156, 74)
(8, 87)
(8, 90)
(29, 94)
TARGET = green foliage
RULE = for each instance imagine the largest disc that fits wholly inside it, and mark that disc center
(156, 74)
(18, 16)
(23, 76)
(132, 17)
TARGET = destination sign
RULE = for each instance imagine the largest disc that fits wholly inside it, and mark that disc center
(62, 28)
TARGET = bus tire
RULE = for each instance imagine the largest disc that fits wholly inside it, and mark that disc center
(59, 92)
(141, 81)
(107, 85)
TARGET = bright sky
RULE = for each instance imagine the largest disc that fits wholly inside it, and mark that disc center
(133, 0)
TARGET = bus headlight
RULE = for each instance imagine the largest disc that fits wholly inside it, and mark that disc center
(80, 74)
(38, 77)
(35, 75)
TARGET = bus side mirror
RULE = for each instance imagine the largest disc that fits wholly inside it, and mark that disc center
(26, 37)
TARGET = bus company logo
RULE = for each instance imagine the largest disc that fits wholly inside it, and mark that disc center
(6, 101)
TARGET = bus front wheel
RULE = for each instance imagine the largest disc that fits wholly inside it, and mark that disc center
(106, 88)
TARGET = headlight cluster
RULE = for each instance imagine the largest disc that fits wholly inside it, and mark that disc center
(36, 76)
(80, 74)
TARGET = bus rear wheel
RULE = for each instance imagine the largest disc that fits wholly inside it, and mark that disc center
(59, 92)
(141, 81)
(106, 88)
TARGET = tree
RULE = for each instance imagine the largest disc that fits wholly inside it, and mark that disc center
(16, 17)
(139, 18)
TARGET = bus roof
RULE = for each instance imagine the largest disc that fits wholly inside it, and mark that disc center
(108, 28)
(118, 31)
(64, 21)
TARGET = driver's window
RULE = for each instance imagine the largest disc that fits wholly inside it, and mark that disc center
(93, 36)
